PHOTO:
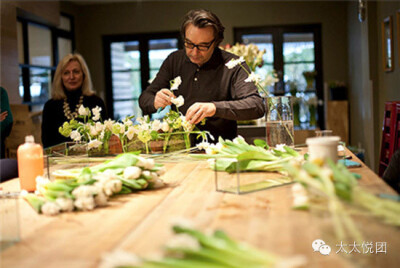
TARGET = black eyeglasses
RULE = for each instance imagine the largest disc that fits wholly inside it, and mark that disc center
(190, 45)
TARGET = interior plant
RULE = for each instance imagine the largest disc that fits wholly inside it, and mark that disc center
(309, 76)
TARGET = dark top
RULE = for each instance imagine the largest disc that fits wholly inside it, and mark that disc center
(8, 121)
(53, 116)
(213, 82)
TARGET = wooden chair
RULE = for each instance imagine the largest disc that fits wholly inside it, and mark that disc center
(390, 134)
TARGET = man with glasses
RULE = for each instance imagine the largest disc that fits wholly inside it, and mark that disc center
(210, 89)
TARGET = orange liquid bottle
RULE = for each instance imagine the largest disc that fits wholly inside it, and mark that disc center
(30, 163)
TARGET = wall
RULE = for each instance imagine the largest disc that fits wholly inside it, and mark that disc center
(389, 82)
(44, 12)
(125, 18)
(370, 86)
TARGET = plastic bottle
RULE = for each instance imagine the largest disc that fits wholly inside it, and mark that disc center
(30, 163)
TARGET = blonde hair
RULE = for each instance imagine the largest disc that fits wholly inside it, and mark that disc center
(58, 89)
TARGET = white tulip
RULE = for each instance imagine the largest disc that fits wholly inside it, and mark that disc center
(65, 204)
(132, 173)
(50, 209)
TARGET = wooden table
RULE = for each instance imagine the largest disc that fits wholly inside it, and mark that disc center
(140, 223)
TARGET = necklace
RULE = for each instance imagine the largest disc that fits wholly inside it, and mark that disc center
(67, 110)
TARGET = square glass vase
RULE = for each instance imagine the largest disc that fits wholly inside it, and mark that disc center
(69, 155)
(239, 181)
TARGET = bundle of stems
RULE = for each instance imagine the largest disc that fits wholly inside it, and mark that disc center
(238, 154)
(192, 248)
(341, 190)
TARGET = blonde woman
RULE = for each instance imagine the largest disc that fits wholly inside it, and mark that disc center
(72, 87)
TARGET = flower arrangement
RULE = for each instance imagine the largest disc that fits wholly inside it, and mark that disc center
(95, 132)
(253, 58)
(132, 136)
(260, 84)
(250, 53)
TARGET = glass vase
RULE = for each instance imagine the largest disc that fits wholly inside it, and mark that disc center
(279, 121)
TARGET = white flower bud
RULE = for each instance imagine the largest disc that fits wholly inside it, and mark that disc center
(132, 173)
(50, 209)
(85, 203)
(65, 204)
(100, 199)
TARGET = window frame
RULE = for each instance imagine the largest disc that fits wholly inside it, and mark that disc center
(143, 40)
(26, 66)
(277, 32)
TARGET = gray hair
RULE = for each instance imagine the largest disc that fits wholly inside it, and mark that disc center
(202, 18)
(58, 89)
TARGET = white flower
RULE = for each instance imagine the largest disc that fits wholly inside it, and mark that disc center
(132, 173)
(280, 147)
(130, 132)
(119, 258)
(83, 111)
(65, 204)
(156, 125)
(101, 136)
(99, 126)
(238, 140)
(93, 131)
(75, 135)
(176, 83)
(127, 122)
(109, 124)
(84, 191)
(112, 187)
(146, 174)
(96, 113)
(203, 145)
(187, 126)
(94, 144)
(253, 77)
(145, 163)
(161, 171)
(41, 183)
(50, 209)
(158, 183)
(179, 101)
(85, 203)
(183, 241)
(100, 199)
(164, 126)
(233, 62)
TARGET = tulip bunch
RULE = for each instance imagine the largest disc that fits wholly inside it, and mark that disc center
(90, 187)
(238, 154)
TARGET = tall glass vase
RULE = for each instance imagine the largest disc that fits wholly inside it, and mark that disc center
(279, 120)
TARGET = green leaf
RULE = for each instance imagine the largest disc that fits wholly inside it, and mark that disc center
(261, 143)
(266, 156)
(35, 201)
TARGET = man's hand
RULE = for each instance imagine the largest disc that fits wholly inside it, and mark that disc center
(3, 116)
(200, 110)
(163, 98)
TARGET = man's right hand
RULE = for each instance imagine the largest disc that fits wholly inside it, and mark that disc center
(163, 98)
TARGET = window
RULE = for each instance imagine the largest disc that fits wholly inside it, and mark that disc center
(131, 61)
(39, 49)
(290, 51)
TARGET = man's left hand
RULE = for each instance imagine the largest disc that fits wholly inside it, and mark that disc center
(200, 110)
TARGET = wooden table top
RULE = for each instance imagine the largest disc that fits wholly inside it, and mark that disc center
(140, 223)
